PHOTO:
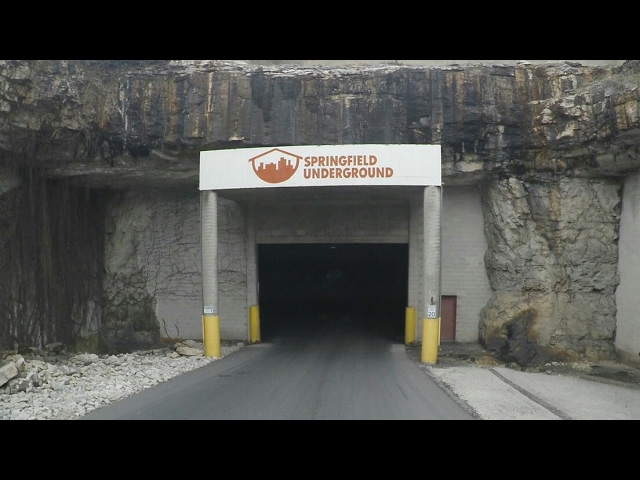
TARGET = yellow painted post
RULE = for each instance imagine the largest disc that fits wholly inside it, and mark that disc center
(254, 323)
(409, 326)
(211, 329)
(429, 340)
(439, 329)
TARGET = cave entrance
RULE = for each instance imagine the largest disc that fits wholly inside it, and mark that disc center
(354, 287)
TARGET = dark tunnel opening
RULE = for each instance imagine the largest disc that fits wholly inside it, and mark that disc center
(306, 289)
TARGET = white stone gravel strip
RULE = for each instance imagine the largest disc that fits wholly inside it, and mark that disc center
(71, 388)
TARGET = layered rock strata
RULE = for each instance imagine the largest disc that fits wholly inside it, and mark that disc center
(548, 144)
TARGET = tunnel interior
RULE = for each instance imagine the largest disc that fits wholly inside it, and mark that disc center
(358, 288)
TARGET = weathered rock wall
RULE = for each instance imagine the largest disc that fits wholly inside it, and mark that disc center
(153, 275)
(9, 179)
(51, 254)
(550, 145)
(552, 263)
(113, 122)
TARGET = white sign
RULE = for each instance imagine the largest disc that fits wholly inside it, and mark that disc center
(323, 165)
(209, 310)
(431, 311)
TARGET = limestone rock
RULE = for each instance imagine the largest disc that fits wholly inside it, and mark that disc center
(7, 372)
(552, 262)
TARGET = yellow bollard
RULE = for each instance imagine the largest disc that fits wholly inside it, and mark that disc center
(254, 324)
(409, 326)
(211, 329)
(429, 340)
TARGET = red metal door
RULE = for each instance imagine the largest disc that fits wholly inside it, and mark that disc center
(448, 317)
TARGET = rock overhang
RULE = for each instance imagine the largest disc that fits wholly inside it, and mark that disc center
(121, 123)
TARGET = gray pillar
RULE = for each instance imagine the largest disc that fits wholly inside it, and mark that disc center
(252, 258)
(431, 275)
(252, 278)
(209, 235)
(431, 265)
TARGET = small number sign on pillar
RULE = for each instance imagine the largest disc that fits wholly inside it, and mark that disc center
(431, 311)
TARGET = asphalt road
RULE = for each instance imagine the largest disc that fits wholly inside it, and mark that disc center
(322, 375)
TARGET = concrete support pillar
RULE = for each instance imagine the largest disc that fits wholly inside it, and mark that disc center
(252, 277)
(210, 307)
(416, 256)
(431, 274)
(252, 257)
(410, 326)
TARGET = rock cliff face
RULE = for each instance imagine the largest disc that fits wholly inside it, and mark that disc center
(552, 263)
(119, 122)
(549, 144)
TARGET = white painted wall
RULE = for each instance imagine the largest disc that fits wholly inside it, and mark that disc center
(416, 267)
(336, 223)
(463, 243)
(627, 298)
(463, 249)
(179, 310)
(232, 271)
(179, 307)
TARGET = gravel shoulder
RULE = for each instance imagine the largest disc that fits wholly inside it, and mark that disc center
(453, 354)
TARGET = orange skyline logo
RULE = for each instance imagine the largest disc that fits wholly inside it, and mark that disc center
(275, 165)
